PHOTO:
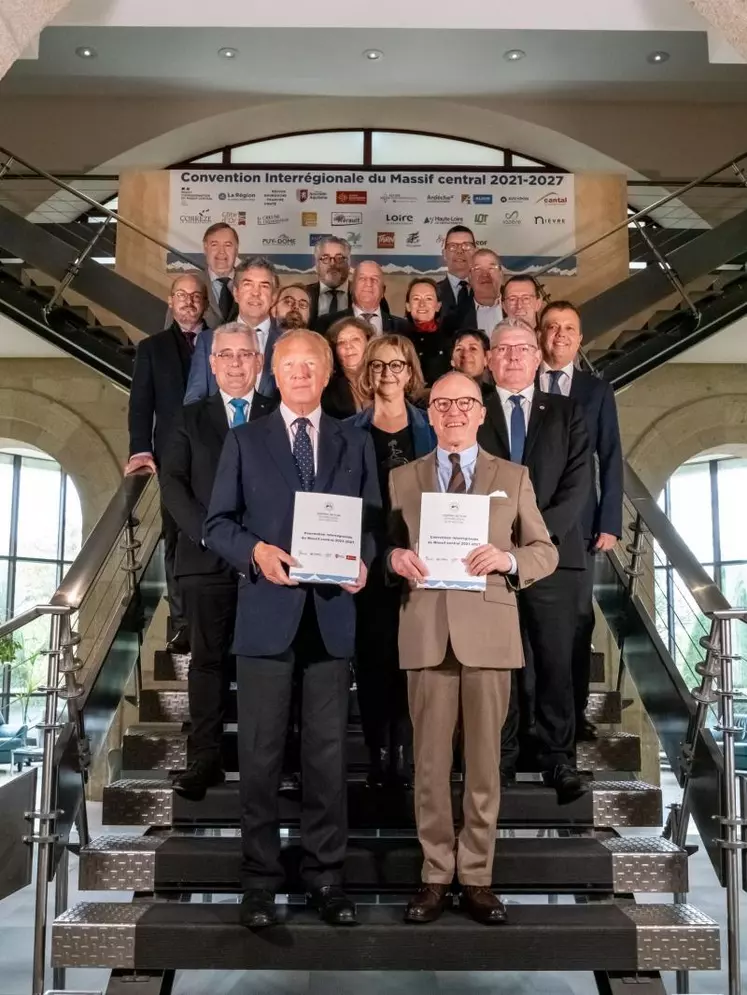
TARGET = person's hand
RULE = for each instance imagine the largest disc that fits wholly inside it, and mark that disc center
(487, 560)
(359, 584)
(270, 560)
(408, 564)
(142, 462)
(605, 542)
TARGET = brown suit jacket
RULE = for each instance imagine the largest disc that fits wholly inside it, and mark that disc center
(483, 627)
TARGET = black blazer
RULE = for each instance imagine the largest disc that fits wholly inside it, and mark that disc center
(464, 317)
(313, 289)
(433, 349)
(449, 302)
(188, 474)
(603, 512)
(557, 456)
(159, 380)
(391, 324)
(337, 399)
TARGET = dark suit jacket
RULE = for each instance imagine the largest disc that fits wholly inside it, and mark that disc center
(433, 349)
(557, 456)
(313, 289)
(449, 303)
(464, 317)
(391, 324)
(603, 512)
(159, 380)
(188, 474)
(253, 500)
(337, 399)
(201, 382)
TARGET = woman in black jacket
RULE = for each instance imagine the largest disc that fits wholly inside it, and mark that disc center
(348, 337)
(432, 345)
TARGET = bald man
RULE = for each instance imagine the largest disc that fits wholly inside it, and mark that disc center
(367, 290)
(460, 647)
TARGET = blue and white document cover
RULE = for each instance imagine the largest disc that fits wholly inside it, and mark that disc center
(326, 539)
(451, 526)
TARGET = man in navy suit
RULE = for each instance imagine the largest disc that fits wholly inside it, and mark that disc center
(560, 339)
(285, 628)
(255, 287)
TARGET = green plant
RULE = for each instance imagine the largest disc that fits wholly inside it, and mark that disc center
(25, 681)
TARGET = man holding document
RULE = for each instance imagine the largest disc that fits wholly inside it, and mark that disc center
(466, 532)
(294, 507)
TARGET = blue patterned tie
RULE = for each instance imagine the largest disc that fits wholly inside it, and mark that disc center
(555, 376)
(239, 406)
(518, 429)
(303, 453)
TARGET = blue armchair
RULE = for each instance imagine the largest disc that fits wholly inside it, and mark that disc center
(10, 739)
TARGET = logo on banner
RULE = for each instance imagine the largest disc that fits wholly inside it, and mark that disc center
(318, 237)
(438, 219)
(413, 240)
(275, 197)
(242, 218)
(385, 239)
(203, 218)
(343, 219)
(552, 198)
(284, 241)
(466, 198)
(481, 219)
(398, 198)
(236, 195)
(271, 219)
(354, 238)
(230, 217)
(440, 198)
(511, 218)
(302, 196)
(399, 219)
(188, 194)
(514, 199)
(482, 198)
(542, 219)
(309, 219)
(351, 197)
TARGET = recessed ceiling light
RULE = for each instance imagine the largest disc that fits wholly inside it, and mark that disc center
(86, 52)
(514, 54)
(228, 53)
(373, 54)
(657, 57)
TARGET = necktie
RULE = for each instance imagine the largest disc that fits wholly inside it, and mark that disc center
(332, 302)
(225, 298)
(463, 295)
(303, 454)
(239, 406)
(518, 429)
(190, 337)
(555, 376)
(368, 315)
(457, 484)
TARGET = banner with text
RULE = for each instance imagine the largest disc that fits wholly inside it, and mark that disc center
(397, 217)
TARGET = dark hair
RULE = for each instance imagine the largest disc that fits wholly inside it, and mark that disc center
(539, 290)
(220, 226)
(257, 262)
(456, 229)
(558, 306)
(295, 286)
(475, 333)
(333, 332)
(418, 280)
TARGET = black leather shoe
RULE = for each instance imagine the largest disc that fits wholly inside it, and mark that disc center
(567, 783)
(508, 778)
(429, 903)
(179, 642)
(483, 906)
(333, 905)
(197, 778)
(586, 732)
(258, 909)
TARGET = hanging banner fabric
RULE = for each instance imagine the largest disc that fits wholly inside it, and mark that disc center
(397, 217)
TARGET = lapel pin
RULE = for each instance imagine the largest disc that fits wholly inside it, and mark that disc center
(542, 407)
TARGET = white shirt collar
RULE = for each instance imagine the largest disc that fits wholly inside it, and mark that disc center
(455, 281)
(214, 276)
(568, 370)
(289, 417)
(358, 311)
(490, 307)
(227, 398)
(263, 326)
(504, 394)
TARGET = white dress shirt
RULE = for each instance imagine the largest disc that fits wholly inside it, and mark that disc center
(325, 298)
(375, 321)
(262, 330)
(455, 282)
(312, 429)
(526, 404)
(564, 381)
(488, 316)
(231, 410)
(216, 285)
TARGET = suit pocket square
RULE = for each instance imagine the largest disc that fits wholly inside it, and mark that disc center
(498, 494)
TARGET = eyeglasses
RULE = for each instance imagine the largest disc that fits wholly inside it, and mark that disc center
(292, 302)
(494, 268)
(396, 366)
(242, 356)
(337, 260)
(521, 350)
(182, 296)
(460, 246)
(523, 300)
(464, 404)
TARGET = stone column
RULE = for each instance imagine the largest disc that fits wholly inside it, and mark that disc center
(729, 16)
(20, 23)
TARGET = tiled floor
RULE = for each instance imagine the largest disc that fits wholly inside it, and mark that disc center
(16, 935)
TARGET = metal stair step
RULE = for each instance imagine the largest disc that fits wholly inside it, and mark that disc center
(609, 803)
(163, 746)
(208, 861)
(173, 935)
(172, 706)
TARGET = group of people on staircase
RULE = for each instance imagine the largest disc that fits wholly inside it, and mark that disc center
(255, 392)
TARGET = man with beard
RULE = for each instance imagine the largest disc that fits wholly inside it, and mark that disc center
(484, 309)
(292, 307)
(255, 288)
(522, 297)
(330, 294)
(159, 380)
(367, 288)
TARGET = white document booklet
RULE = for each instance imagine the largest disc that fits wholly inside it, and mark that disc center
(326, 540)
(451, 526)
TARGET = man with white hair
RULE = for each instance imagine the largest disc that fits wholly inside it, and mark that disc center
(367, 289)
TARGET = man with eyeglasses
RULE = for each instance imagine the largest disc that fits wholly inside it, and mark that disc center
(367, 291)
(159, 381)
(483, 310)
(220, 245)
(459, 648)
(207, 582)
(547, 434)
(292, 308)
(454, 290)
(330, 295)
(256, 285)
(522, 297)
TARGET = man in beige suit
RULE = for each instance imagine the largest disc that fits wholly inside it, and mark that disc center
(459, 647)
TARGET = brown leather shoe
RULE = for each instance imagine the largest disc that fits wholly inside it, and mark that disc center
(429, 903)
(483, 905)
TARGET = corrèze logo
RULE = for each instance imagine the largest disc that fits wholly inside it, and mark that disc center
(413, 240)
(385, 239)
(351, 197)
(342, 219)
(302, 196)
(203, 218)
(399, 219)
(482, 198)
(511, 218)
(481, 219)
(309, 219)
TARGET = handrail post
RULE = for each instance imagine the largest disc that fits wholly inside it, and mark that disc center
(70, 665)
(132, 565)
(633, 571)
(73, 269)
(669, 271)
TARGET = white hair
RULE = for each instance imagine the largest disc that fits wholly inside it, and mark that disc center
(236, 328)
(332, 240)
(511, 325)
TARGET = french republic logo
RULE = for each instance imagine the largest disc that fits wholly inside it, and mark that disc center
(352, 197)
(384, 239)
(302, 196)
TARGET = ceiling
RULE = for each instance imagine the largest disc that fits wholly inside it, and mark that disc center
(587, 64)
